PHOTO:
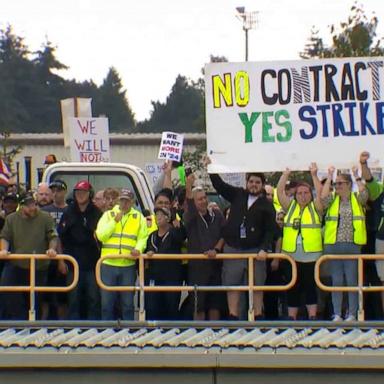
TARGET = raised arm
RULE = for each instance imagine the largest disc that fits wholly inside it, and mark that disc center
(365, 171)
(284, 200)
(228, 191)
(325, 193)
(318, 187)
(191, 212)
(363, 194)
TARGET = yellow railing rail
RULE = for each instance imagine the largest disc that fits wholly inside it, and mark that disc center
(360, 288)
(142, 288)
(32, 288)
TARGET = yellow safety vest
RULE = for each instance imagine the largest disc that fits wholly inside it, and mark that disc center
(310, 228)
(122, 237)
(153, 227)
(276, 202)
(358, 221)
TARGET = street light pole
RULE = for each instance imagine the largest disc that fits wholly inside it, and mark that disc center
(250, 21)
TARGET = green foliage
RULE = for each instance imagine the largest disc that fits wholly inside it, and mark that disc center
(184, 109)
(8, 152)
(181, 112)
(355, 37)
(111, 101)
(31, 90)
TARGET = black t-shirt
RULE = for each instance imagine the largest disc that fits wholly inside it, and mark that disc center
(170, 243)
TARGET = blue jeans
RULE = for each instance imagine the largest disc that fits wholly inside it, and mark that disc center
(84, 299)
(16, 305)
(341, 268)
(118, 276)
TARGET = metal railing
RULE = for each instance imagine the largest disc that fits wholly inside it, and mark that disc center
(32, 288)
(142, 288)
(360, 288)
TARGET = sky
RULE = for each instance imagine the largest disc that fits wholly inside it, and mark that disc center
(150, 42)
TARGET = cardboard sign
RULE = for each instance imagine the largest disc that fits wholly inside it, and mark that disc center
(153, 170)
(74, 107)
(89, 139)
(271, 115)
(235, 179)
(171, 146)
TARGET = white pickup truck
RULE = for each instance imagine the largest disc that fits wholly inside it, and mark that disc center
(103, 175)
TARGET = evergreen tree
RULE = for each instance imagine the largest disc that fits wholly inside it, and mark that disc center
(111, 101)
(180, 113)
(14, 66)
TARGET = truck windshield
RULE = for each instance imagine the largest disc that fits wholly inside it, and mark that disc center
(99, 181)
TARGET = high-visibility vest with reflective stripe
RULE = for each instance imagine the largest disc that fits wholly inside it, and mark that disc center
(123, 239)
(358, 221)
(310, 228)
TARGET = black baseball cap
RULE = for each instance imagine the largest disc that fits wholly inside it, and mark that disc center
(26, 198)
(59, 184)
(11, 197)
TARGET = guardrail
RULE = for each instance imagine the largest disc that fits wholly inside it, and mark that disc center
(360, 288)
(142, 288)
(32, 288)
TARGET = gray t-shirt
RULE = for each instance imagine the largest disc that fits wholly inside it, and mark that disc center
(302, 256)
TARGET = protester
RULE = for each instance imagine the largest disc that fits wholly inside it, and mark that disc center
(27, 231)
(302, 239)
(204, 228)
(56, 209)
(376, 195)
(163, 199)
(10, 203)
(111, 198)
(165, 240)
(122, 230)
(344, 234)
(55, 304)
(99, 200)
(249, 229)
(44, 195)
(76, 230)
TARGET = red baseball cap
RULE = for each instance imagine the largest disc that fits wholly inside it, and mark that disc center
(82, 185)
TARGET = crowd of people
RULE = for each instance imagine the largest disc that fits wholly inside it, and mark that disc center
(295, 218)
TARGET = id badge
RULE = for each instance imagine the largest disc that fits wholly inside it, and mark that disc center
(243, 232)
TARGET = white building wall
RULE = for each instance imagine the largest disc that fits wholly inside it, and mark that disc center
(135, 149)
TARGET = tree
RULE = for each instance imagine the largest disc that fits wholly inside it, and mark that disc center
(111, 101)
(14, 67)
(31, 90)
(7, 152)
(180, 113)
(353, 38)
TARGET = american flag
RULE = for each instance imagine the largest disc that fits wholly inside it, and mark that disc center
(5, 173)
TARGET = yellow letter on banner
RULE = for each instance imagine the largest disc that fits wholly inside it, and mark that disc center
(222, 89)
(242, 81)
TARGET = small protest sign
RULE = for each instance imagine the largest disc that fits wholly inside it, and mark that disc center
(89, 139)
(153, 170)
(171, 146)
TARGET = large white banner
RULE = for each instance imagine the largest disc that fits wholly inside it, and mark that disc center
(267, 116)
(89, 139)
